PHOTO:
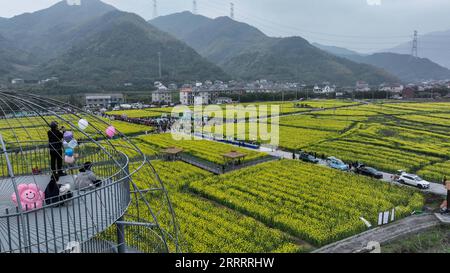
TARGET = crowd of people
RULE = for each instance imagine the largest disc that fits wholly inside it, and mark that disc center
(162, 125)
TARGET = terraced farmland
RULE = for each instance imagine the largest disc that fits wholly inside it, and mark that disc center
(206, 226)
(204, 149)
(314, 203)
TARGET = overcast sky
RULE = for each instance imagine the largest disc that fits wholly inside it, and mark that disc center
(363, 25)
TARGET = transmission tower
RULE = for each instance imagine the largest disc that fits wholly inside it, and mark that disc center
(159, 66)
(232, 11)
(414, 51)
(194, 7)
(155, 9)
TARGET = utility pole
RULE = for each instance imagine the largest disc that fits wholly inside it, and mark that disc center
(232, 11)
(194, 7)
(159, 65)
(415, 43)
(155, 9)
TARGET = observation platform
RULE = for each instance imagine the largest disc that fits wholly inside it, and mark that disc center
(78, 222)
(51, 228)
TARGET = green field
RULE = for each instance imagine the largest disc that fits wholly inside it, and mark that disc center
(390, 136)
(203, 149)
(409, 136)
(34, 129)
(284, 205)
(314, 203)
(207, 226)
(285, 108)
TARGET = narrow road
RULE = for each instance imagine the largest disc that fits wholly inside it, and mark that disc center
(383, 234)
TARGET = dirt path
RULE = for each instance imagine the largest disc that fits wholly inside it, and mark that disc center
(384, 234)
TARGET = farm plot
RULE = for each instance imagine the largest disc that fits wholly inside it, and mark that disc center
(428, 119)
(290, 138)
(204, 149)
(142, 113)
(422, 107)
(299, 138)
(208, 227)
(415, 141)
(314, 203)
(32, 129)
(322, 123)
(383, 158)
(436, 172)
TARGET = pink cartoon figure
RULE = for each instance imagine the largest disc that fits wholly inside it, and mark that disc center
(31, 197)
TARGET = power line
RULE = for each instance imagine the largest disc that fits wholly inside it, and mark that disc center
(159, 65)
(344, 36)
(277, 29)
(194, 7)
(327, 38)
(232, 11)
(155, 9)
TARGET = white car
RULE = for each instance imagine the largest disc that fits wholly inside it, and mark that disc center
(413, 180)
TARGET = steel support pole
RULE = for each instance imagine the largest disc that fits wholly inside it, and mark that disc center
(16, 192)
(121, 236)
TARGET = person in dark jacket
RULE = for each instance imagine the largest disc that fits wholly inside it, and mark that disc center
(55, 137)
(52, 191)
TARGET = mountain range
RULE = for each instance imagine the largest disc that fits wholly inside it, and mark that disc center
(98, 45)
(95, 44)
(404, 66)
(245, 52)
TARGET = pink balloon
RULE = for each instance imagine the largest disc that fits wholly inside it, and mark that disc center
(69, 159)
(110, 131)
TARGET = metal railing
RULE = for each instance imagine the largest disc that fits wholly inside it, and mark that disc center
(87, 213)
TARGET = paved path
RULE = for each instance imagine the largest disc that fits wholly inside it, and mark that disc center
(384, 234)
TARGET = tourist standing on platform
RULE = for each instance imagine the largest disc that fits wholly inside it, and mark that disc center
(55, 138)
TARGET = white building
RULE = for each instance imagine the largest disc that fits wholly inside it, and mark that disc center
(223, 100)
(326, 89)
(317, 89)
(162, 96)
(49, 80)
(395, 88)
(17, 81)
(104, 100)
(197, 95)
(202, 97)
(186, 95)
(362, 86)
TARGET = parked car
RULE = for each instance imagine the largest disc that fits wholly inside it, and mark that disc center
(368, 171)
(336, 163)
(413, 180)
(308, 158)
